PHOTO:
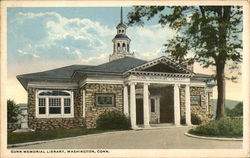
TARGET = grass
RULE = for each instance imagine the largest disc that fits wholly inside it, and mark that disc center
(23, 137)
(220, 128)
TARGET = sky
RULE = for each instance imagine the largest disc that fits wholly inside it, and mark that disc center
(40, 39)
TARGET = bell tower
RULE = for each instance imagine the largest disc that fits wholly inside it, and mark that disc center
(121, 42)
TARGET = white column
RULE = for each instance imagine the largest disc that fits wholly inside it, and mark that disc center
(158, 108)
(187, 104)
(125, 101)
(145, 104)
(176, 105)
(132, 105)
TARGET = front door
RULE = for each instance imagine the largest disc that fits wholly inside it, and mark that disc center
(167, 105)
(139, 111)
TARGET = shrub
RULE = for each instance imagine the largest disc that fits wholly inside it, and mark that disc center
(221, 128)
(13, 111)
(112, 120)
(195, 119)
(236, 111)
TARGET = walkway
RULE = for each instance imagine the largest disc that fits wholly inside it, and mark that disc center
(167, 138)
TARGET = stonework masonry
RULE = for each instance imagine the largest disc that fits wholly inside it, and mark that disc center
(91, 110)
(54, 123)
(199, 110)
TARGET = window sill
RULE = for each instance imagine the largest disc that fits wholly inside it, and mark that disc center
(55, 116)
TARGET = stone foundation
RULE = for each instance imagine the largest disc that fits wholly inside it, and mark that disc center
(92, 111)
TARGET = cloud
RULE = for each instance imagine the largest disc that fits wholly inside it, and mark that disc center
(21, 52)
(46, 33)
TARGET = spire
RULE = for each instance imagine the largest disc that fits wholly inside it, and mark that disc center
(121, 16)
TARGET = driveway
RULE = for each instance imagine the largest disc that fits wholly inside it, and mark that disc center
(167, 138)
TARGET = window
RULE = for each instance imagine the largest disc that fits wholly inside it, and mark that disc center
(195, 100)
(152, 105)
(42, 108)
(105, 99)
(66, 105)
(54, 104)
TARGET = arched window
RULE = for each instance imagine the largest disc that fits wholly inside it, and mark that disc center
(118, 46)
(123, 46)
(128, 47)
(54, 103)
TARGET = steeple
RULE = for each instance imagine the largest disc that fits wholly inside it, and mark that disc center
(121, 16)
(121, 42)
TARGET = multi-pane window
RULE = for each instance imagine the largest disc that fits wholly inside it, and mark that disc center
(66, 105)
(55, 104)
(42, 103)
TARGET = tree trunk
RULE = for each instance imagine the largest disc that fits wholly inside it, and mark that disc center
(221, 91)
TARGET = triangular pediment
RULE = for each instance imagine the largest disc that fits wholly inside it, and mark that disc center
(161, 65)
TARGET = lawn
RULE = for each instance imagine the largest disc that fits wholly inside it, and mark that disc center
(23, 137)
(220, 128)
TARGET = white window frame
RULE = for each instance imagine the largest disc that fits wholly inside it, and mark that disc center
(47, 115)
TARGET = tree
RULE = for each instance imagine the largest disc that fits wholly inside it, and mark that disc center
(13, 111)
(236, 111)
(213, 33)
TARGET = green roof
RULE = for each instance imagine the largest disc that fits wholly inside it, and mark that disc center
(116, 66)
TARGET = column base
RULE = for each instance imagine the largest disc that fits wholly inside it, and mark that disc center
(177, 124)
(188, 124)
(146, 126)
(135, 127)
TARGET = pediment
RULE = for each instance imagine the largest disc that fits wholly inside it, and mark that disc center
(161, 65)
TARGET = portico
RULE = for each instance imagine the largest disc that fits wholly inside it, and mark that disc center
(135, 82)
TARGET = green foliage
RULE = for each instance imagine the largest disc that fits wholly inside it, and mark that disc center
(195, 119)
(220, 128)
(23, 137)
(13, 111)
(236, 111)
(112, 120)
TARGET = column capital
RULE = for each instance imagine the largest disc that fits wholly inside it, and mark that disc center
(187, 85)
(146, 83)
(132, 83)
(177, 85)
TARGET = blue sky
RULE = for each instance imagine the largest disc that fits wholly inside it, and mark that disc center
(45, 38)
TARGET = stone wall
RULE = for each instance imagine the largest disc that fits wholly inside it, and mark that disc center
(92, 111)
(54, 123)
(199, 110)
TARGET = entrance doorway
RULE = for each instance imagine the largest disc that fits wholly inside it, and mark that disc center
(139, 111)
(167, 105)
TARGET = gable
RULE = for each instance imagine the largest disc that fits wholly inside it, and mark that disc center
(160, 67)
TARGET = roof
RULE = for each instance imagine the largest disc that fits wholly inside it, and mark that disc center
(62, 74)
(121, 36)
(121, 25)
(199, 75)
(116, 66)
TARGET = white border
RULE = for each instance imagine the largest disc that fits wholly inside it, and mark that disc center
(125, 153)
